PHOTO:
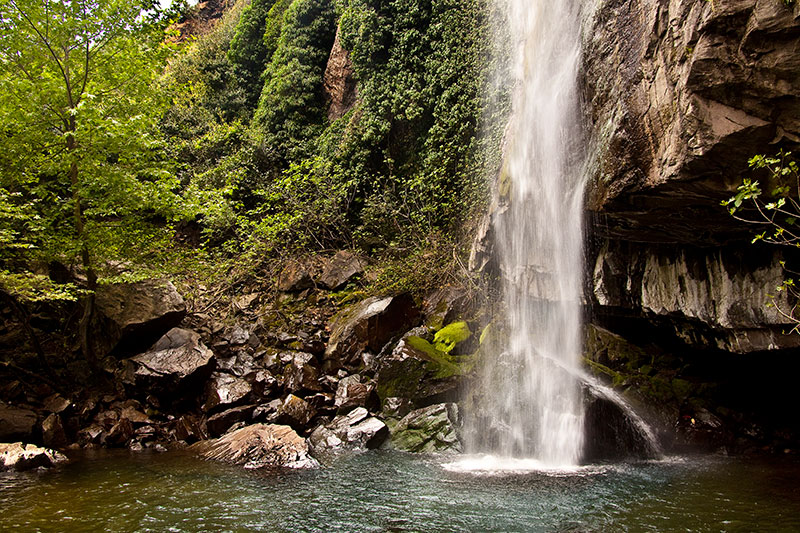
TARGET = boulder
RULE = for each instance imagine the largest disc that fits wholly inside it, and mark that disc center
(53, 434)
(188, 429)
(295, 277)
(175, 365)
(16, 422)
(120, 433)
(91, 435)
(296, 412)
(340, 269)
(135, 314)
(259, 446)
(222, 422)
(352, 392)
(445, 305)
(431, 429)
(355, 430)
(368, 325)
(18, 456)
(56, 404)
(417, 371)
(223, 390)
(299, 375)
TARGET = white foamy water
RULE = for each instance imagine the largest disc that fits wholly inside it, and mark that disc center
(531, 404)
(491, 465)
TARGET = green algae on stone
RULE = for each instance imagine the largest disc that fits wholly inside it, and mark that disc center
(447, 338)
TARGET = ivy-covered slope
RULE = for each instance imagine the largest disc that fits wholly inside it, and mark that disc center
(401, 172)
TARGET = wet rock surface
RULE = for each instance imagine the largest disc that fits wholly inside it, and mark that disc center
(18, 456)
(432, 429)
(259, 446)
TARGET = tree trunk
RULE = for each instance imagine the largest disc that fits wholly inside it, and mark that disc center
(84, 326)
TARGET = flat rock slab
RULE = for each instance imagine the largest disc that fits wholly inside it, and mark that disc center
(18, 456)
(259, 446)
(178, 357)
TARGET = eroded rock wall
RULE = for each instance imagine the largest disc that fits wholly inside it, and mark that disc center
(679, 94)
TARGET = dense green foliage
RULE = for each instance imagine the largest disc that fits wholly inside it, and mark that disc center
(83, 180)
(402, 173)
(114, 138)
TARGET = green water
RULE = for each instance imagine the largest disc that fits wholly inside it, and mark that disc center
(385, 491)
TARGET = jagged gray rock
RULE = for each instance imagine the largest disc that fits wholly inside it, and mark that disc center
(179, 360)
(368, 325)
(355, 430)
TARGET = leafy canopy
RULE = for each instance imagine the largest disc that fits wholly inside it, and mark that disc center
(82, 180)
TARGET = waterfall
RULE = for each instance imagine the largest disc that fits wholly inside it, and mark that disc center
(531, 400)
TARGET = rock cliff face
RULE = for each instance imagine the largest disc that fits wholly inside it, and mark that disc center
(679, 94)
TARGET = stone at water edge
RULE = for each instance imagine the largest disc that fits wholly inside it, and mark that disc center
(53, 434)
(431, 429)
(18, 456)
(355, 430)
(259, 446)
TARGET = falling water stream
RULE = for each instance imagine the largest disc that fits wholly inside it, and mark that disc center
(536, 408)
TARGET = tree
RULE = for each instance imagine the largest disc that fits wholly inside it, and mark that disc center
(81, 179)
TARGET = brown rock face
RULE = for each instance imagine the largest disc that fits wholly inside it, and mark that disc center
(339, 81)
(138, 313)
(680, 95)
(175, 365)
(368, 325)
(259, 446)
(16, 422)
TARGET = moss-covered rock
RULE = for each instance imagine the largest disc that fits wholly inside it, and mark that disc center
(432, 429)
(450, 336)
(417, 371)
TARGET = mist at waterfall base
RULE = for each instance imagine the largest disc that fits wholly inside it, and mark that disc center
(388, 491)
(529, 412)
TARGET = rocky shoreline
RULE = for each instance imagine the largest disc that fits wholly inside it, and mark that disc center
(296, 369)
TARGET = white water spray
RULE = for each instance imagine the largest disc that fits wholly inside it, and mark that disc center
(532, 402)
